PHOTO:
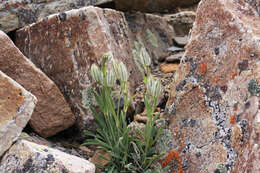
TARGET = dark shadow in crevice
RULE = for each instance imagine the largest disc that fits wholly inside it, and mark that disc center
(110, 5)
(11, 35)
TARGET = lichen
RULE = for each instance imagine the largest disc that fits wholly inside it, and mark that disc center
(164, 142)
(253, 87)
(87, 97)
(220, 169)
(151, 38)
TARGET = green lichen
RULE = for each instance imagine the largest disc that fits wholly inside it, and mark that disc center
(151, 38)
(164, 142)
(221, 169)
(87, 97)
(253, 87)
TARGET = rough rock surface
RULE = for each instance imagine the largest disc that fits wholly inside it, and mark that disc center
(52, 114)
(25, 156)
(182, 22)
(15, 14)
(16, 107)
(214, 104)
(65, 45)
(152, 5)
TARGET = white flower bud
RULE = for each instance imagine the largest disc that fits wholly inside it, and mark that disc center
(145, 58)
(96, 74)
(111, 78)
(154, 87)
(123, 73)
(120, 71)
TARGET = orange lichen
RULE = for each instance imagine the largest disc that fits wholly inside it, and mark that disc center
(233, 119)
(203, 69)
(173, 156)
(217, 79)
(234, 75)
(235, 107)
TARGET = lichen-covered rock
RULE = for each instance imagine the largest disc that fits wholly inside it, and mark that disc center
(65, 46)
(15, 14)
(25, 156)
(16, 107)
(52, 114)
(153, 5)
(214, 104)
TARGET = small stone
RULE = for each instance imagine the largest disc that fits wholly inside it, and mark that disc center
(175, 58)
(175, 49)
(97, 160)
(181, 41)
(168, 68)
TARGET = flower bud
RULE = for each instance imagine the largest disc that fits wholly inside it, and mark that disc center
(154, 87)
(120, 71)
(123, 73)
(145, 58)
(96, 74)
(111, 78)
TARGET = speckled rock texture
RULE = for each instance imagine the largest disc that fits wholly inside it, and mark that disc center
(52, 113)
(25, 156)
(65, 46)
(15, 14)
(16, 107)
(214, 104)
(152, 5)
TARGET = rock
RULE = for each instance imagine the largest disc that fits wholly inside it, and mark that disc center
(175, 57)
(19, 13)
(181, 41)
(214, 102)
(182, 22)
(175, 49)
(97, 160)
(16, 107)
(168, 68)
(65, 48)
(25, 156)
(52, 113)
(152, 5)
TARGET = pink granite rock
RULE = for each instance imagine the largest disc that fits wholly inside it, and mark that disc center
(65, 45)
(52, 113)
(214, 104)
(16, 108)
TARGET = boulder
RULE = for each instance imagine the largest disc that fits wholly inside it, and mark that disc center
(65, 46)
(182, 23)
(52, 113)
(25, 156)
(19, 13)
(153, 5)
(214, 103)
(16, 107)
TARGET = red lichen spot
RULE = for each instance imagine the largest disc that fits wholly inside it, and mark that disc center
(234, 75)
(235, 107)
(203, 69)
(15, 4)
(217, 79)
(233, 119)
(173, 156)
(8, 7)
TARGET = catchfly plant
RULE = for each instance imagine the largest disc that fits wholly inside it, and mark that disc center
(128, 153)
